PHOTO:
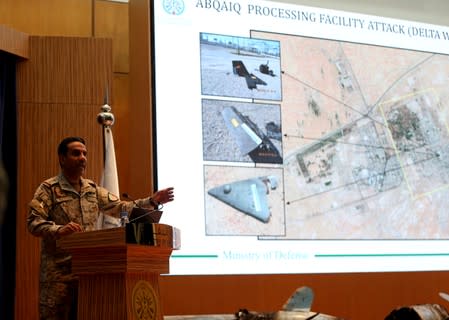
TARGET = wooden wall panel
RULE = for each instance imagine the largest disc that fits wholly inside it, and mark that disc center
(60, 92)
(111, 21)
(65, 70)
(48, 17)
(368, 296)
(140, 99)
(121, 130)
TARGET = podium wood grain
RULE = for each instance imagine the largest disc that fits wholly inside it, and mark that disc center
(118, 280)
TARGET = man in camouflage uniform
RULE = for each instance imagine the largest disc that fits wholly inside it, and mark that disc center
(65, 204)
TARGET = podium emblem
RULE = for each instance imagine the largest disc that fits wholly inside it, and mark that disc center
(144, 301)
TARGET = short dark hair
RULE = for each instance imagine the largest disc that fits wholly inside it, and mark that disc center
(63, 145)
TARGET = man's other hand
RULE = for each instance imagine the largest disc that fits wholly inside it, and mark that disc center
(69, 228)
(164, 196)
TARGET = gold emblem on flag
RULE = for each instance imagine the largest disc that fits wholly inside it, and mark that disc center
(144, 301)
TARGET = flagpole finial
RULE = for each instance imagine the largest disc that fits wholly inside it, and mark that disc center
(106, 117)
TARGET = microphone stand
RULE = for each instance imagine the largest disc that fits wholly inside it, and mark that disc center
(146, 214)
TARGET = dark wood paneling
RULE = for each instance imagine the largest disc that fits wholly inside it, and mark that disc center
(111, 20)
(121, 130)
(140, 99)
(369, 296)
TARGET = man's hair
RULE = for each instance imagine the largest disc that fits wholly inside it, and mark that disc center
(63, 145)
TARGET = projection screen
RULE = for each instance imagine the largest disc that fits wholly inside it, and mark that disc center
(301, 139)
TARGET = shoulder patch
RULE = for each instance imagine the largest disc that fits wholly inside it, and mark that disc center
(112, 197)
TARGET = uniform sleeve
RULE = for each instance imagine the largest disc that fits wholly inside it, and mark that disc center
(147, 203)
(110, 204)
(37, 220)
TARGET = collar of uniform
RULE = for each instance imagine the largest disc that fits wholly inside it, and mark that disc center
(65, 184)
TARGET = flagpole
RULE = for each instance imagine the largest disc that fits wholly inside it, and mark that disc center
(110, 176)
(109, 179)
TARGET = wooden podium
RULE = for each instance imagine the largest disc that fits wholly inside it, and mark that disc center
(119, 270)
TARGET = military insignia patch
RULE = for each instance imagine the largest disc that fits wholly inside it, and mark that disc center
(112, 197)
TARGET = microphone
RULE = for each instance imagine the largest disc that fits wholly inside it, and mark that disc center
(124, 219)
(138, 212)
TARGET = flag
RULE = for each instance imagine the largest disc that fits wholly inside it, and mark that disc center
(109, 179)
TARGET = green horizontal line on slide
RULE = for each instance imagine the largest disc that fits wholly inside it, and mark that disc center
(381, 255)
(196, 256)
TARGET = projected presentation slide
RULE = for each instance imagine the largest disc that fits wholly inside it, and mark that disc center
(300, 139)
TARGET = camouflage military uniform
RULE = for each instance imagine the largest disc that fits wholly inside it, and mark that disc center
(55, 204)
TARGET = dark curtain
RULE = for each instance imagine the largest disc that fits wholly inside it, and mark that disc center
(8, 183)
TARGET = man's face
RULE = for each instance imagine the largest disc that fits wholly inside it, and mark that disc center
(75, 161)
